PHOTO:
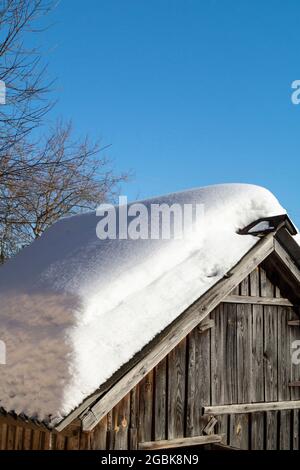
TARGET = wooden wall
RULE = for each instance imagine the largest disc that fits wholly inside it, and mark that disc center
(245, 357)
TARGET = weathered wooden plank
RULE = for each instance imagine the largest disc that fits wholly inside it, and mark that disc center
(294, 322)
(192, 376)
(230, 357)
(178, 330)
(251, 407)
(296, 429)
(206, 325)
(239, 431)
(146, 408)
(3, 436)
(134, 413)
(294, 375)
(271, 430)
(11, 437)
(83, 442)
(19, 438)
(257, 383)
(35, 445)
(231, 364)
(287, 260)
(284, 371)
(121, 416)
(244, 352)
(73, 442)
(238, 299)
(294, 335)
(27, 438)
(99, 441)
(198, 380)
(160, 401)
(110, 431)
(285, 430)
(239, 425)
(218, 368)
(270, 358)
(209, 428)
(176, 390)
(133, 438)
(181, 442)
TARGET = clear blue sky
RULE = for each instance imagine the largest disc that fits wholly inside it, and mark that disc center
(187, 92)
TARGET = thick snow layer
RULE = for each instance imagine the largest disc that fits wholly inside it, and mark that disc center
(74, 308)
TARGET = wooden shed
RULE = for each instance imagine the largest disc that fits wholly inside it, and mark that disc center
(222, 373)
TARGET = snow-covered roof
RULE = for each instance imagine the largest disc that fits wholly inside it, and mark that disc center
(74, 308)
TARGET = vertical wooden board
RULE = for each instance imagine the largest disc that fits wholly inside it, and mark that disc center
(254, 288)
(73, 442)
(293, 335)
(35, 444)
(284, 371)
(27, 438)
(19, 438)
(11, 432)
(218, 366)
(3, 436)
(244, 287)
(284, 356)
(202, 378)
(191, 401)
(133, 439)
(271, 428)
(270, 360)
(257, 376)
(198, 381)
(239, 431)
(134, 413)
(99, 440)
(257, 382)
(270, 353)
(48, 440)
(84, 441)
(146, 408)
(160, 400)
(239, 424)
(296, 429)
(236, 290)
(244, 352)
(122, 420)
(285, 438)
(267, 289)
(230, 377)
(257, 424)
(231, 368)
(176, 390)
(110, 431)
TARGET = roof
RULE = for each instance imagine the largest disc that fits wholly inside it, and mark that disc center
(74, 308)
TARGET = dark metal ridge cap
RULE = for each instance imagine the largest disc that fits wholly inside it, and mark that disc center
(289, 243)
(275, 223)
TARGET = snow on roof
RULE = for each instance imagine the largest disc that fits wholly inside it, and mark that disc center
(75, 308)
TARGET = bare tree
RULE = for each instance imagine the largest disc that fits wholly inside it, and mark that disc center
(70, 177)
(40, 181)
(22, 71)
